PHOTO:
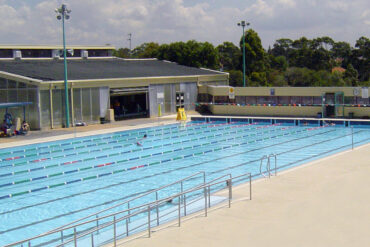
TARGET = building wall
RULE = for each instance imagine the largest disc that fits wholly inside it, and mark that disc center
(283, 101)
(16, 91)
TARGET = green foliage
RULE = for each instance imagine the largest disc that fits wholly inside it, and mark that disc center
(279, 63)
(122, 52)
(235, 78)
(230, 56)
(255, 55)
(146, 50)
(351, 75)
(297, 63)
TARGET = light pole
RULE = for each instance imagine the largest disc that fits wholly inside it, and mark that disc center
(63, 13)
(243, 24)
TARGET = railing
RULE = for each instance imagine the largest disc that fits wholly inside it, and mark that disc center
(170, 212)
(268, 165)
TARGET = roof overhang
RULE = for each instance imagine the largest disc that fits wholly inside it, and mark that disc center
(14, 104)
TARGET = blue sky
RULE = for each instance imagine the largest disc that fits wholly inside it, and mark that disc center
(99, 22)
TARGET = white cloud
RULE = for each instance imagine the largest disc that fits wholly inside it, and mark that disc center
(287, 3)
(109, 21)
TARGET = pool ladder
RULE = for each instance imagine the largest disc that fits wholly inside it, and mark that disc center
(267, 171)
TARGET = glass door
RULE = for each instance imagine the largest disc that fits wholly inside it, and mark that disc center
(339, 104)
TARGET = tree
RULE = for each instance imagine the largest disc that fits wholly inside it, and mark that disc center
(351, 75)
(282, 47)
(235, 78)
(146, 50)
(122, 52)
(361, 58)
(229, 55)
(279, 63)
(255, 55)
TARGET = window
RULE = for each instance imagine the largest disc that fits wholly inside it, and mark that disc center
(307, 100)
(284, 100)
(251, 100)
(295, 100)
(240, 100)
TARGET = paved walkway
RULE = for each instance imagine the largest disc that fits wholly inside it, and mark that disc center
(322, 204)
(63, 133)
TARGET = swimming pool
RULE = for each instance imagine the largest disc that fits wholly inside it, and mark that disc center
(47, 185)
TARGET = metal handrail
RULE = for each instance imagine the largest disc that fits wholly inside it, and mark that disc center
(147, 207)
(275, 163)
(267, 164)
(132, 199)
(114, 206)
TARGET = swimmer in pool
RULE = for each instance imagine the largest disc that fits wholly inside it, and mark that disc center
(139, 143)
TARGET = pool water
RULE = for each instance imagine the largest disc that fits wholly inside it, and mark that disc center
(44, 186)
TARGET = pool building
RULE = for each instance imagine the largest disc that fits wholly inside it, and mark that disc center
(97, 82)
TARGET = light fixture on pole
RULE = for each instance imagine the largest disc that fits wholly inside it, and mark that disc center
(243, 24)
(63, 13)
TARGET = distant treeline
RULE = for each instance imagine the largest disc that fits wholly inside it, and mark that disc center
(301, 62)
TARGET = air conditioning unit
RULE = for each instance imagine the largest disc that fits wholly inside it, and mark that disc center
(84, 54)
(17, 54)
(55, 54)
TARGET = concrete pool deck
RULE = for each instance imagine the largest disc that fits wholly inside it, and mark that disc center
(323, 203)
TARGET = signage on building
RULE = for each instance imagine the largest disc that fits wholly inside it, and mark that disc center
(231, 93)
(160, 95)
(365, 92)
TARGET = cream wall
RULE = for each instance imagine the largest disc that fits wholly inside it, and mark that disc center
(306, 111)
(279, 91)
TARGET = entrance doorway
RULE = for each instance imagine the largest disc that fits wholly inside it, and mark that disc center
(128, 103)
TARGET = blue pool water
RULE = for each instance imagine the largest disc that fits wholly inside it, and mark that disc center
(44, 186)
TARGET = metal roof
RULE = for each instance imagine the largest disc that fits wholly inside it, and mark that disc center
(91, 69)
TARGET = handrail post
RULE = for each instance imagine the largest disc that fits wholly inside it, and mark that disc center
(182, 190)
(149, 230)
(126, 227)
(114, 232)
(179, 209)
(61, 237)
(205, 201)
(92, 239)
(230, 191)
(184, 204)
(128, 212)
(75, 236)
(157, 209)
(209, 196)
(269, 166)
(97, 223)
(250, 186)
(275, 165)
(29, 243)
(352, 136)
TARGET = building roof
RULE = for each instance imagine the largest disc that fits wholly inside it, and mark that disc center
(85, 69)
(45, 47)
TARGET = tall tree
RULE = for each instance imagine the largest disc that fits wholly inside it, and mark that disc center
(256, 57)
(361, 58)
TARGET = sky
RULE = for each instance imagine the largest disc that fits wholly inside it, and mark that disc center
(101, 22)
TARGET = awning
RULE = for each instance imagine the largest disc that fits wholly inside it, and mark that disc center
(14, 104)
(128, 91)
